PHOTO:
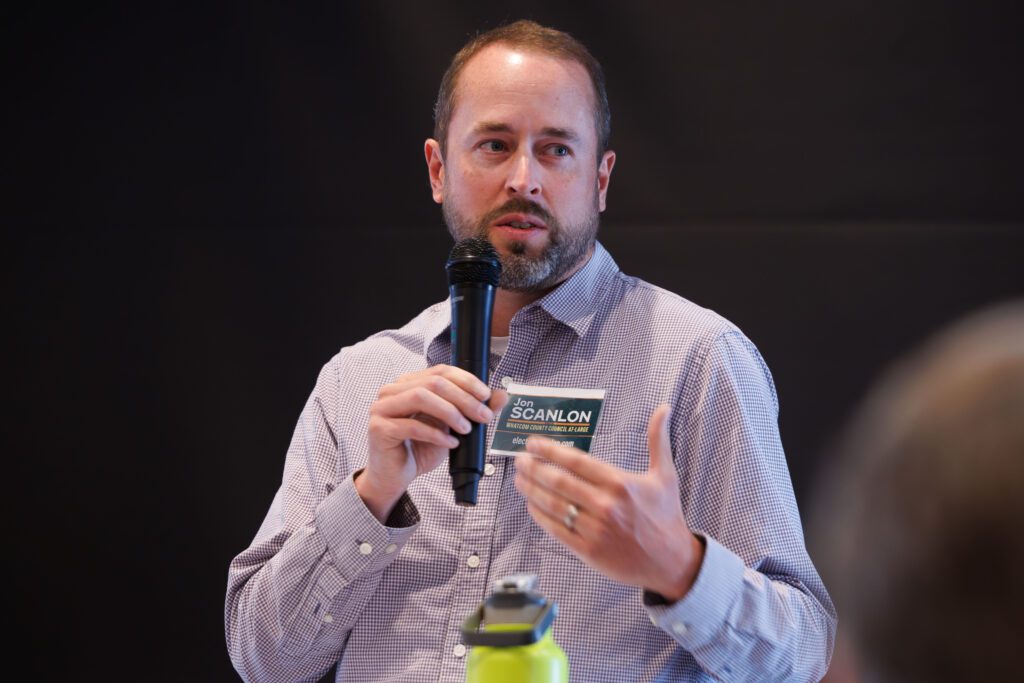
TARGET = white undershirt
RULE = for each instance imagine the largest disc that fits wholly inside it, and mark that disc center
(499, 345)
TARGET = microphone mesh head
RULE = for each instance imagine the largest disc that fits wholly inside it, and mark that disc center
(474, 260)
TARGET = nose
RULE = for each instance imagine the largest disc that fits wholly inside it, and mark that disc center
(524, 176)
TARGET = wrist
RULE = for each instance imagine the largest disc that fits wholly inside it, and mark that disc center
(378, 500)
(682, 580)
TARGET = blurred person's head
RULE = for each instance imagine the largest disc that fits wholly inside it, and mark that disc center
(919, 523)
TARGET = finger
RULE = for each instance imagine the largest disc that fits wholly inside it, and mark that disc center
(659, 444)
(555, 505)
(421, 400)
(464, 379)
(574, 460)
(467, 403)
(538, 475)
(498, 400)
(556, 528)
(400, 429)
(432, 421)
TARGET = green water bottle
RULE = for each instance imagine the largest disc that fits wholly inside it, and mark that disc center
(511, 636)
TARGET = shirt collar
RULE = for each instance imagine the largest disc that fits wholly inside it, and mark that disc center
(573, 303)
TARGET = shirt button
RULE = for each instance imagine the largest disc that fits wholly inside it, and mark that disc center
(489, 469)
(365, 548)
(391, 548)
(679, 629)
(459, 650)
(473, 561)
(505, 381)
(328, 619)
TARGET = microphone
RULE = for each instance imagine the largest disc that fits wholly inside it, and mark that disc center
(473, 272)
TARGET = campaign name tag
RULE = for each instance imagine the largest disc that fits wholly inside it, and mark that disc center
(568, 416)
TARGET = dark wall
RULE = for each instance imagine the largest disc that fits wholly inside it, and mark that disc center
(286, 116)
(206, 202)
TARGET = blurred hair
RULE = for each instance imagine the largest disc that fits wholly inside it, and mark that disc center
(919, 524)
(527, 35)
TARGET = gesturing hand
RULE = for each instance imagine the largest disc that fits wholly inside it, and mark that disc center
(628, 526)
(410, 429)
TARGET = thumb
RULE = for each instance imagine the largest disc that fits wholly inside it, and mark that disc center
(659, 444)
(498, 400)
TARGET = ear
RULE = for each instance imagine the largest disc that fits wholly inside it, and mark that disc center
(604, 176)
(435, 168)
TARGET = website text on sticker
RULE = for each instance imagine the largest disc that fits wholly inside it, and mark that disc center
(569, 416)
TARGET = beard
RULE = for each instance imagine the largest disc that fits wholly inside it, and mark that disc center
(521, 271)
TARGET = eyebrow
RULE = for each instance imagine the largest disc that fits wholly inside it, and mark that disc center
(548, 131)
(564, 133)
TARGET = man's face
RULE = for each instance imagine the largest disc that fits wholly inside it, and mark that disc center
(521, 164)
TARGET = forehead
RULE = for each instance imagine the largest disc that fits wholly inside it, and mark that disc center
(513, 85)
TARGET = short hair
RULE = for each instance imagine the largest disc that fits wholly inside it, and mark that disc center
(527, 35)
(919, 520)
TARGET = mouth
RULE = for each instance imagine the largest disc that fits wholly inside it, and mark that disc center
(519, 222)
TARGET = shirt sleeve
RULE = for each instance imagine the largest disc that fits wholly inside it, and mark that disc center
(758, 610)
(294, 594)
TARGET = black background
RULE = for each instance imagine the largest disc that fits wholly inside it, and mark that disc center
(206, 201)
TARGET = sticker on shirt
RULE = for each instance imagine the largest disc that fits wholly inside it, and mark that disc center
(568, 416)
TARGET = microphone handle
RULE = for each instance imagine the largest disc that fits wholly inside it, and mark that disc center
(472, 306)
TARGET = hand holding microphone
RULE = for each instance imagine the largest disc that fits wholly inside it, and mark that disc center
(474, 271)
(423, 418)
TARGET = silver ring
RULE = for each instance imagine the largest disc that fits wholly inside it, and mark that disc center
(570, 517)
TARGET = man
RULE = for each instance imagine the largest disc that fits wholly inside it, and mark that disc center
(674, 550)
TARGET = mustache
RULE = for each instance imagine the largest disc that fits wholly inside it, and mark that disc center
(519, 205)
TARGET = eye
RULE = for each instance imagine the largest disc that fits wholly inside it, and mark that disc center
(560, 150)
(494, 146)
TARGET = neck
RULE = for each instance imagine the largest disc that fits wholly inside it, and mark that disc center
(508, 302)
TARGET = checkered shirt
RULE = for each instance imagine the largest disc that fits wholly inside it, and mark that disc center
(324, 582)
